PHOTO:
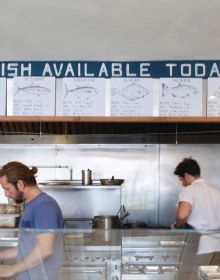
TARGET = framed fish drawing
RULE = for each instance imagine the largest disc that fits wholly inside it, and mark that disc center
(2, 96)
(181, 97)
(31, 96)
(213, 97)
(131, 97)
(81, 97)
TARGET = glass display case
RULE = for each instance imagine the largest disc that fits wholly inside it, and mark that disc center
(128, 254)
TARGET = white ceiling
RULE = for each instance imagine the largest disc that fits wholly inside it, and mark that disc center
(109, 29)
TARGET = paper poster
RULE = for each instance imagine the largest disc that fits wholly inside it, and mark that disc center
(81, 97)
(31, 96)
(180, 97)
(2, 96)
(131, 97)
(213, 98)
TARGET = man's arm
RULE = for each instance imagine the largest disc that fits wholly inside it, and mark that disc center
(183, 211)
(42, 250)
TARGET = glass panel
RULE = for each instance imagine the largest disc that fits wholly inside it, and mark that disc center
(111, 254)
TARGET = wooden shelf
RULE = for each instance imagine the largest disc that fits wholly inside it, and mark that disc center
(79, 119)
(110, 129)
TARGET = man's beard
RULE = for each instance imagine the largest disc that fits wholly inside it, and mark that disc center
(19, 197)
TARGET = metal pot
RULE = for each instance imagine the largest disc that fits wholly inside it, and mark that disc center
(106, 222)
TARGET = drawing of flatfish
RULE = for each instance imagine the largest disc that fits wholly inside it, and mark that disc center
(86, 92)
(36, 90)
(134, 92)
(180, 91)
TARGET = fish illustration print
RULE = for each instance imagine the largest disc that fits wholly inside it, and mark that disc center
(86, 92)
(179, 91)
(134, 92)
(36, 90)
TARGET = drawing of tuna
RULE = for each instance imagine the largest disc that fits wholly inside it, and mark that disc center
(86, 92)
(180, 91)
(134, 92)
(36, 90)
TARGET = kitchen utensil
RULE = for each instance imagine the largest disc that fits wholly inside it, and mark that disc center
(108, 222)
(122, 213)
(111, 181)
(87, 177)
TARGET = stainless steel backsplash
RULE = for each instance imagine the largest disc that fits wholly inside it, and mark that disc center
(150, 189)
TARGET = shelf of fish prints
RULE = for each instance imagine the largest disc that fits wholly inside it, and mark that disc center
(31, 96)
(2, 96)
(105, 97)
(47, 96)
(129, 97)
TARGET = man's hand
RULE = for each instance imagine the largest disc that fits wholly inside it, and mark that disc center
(7, 270)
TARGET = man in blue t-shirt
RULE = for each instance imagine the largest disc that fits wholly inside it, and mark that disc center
(40, 247)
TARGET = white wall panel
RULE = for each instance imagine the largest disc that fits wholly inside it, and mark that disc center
(109, 29)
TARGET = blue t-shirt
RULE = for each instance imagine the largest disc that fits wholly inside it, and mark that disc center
(41, 215)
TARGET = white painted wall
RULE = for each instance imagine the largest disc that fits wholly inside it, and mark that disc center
(109, 29)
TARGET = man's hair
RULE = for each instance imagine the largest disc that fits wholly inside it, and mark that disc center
(15, 171)
(187, 165)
